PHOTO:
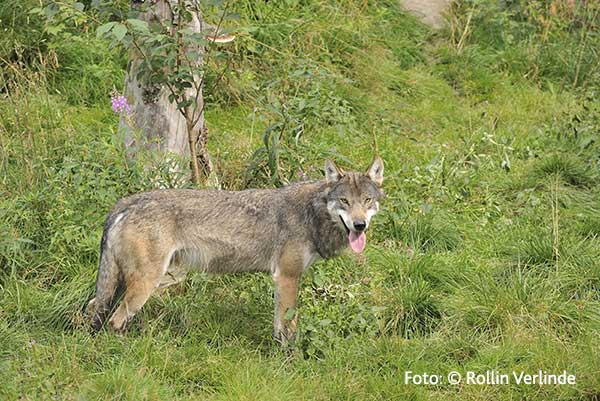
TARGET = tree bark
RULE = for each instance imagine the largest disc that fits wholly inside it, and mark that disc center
(156, 125)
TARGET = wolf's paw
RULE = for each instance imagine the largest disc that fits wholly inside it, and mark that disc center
(90, 309)
(118, 325)
(95, 317)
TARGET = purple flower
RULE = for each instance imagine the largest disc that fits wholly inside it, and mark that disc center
(303, 175)
(119, 104)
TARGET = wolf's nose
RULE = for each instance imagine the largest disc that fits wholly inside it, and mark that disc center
(360, 225)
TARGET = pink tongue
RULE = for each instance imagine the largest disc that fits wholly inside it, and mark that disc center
(357, 241)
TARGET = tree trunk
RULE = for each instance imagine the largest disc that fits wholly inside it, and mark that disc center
(156, 125)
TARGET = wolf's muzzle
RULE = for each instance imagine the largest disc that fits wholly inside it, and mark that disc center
(360, 225)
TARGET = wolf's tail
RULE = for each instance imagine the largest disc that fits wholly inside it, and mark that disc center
(106, 283)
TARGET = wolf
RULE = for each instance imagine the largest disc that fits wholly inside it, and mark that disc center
(152, 239)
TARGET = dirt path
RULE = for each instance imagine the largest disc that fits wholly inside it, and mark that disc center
(431, 12)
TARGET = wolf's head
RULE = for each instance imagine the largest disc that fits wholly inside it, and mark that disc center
(354, 199)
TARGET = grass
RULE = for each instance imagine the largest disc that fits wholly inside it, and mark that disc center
(484, 255)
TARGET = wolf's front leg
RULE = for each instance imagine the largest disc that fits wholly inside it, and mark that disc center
(286, 313)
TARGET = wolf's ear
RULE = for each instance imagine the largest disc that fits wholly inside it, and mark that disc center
(332, 172)
(375, 172)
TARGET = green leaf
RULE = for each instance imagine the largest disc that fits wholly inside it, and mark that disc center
(232, 16)
(78, 6)
(139, 25)
(184, 104)
(586, 141)
(103, 29)
(55, 29)
(214, 3)
(318, 280)
(119, 31)
(51, 10)
(290, 314)
(195, 38)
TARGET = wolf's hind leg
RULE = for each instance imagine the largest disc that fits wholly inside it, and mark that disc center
(140, 283)
(135, 297)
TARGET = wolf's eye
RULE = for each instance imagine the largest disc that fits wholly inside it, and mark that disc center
(368, 201)
(344, 201)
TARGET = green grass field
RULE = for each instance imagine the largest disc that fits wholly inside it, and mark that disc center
(485, 255)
